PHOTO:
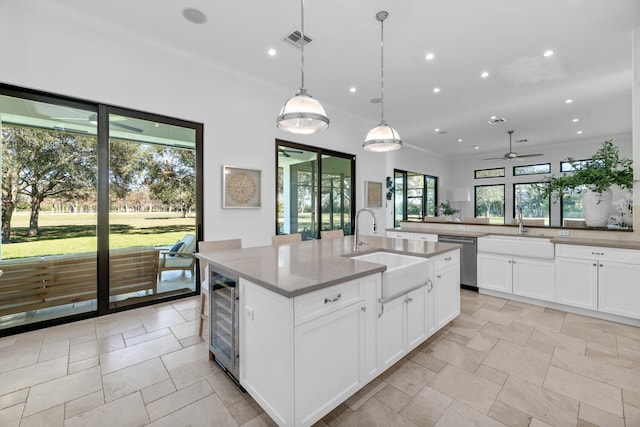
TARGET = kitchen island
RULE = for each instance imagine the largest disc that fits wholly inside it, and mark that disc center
(315, 326)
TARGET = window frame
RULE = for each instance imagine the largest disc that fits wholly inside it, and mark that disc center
(532, 173)
(475, 173)
(424, 206)
(475, 199)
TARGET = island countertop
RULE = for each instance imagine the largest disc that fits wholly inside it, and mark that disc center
(299, 268)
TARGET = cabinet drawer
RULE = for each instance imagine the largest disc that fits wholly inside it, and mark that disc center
(446, 260)
(630, 256)
(425, 237)
(319, 303)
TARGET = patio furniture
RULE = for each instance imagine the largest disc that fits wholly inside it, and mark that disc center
(179, 257)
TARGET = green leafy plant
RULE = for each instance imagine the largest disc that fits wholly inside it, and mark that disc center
(446, 209)
(603, 170)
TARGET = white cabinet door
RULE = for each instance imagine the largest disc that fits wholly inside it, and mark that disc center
(619, 289)
(329, 355)
(429, 315)
(534, 278)
(577, 282)
(391, 336)
(416, 327)
(494, 272)
(446, 289)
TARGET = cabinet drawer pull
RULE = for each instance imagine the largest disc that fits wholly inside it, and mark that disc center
(408, 300)
(430, 283)
(447, 258)
(363, 308)
(597, 253)
(334, 299)
(439, 276)
(595, 265)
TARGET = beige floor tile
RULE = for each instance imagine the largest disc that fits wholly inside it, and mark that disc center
(18, 379)
(96, 347)
(364, 394)
(83, 364)
(410, 378)
(550, 320)
(70, 331)
(14, 398)
(336, 417)
(631, 398)
(125, 321)
(52, 417)
(245, 409)
(190, 365)
(520, 361)
(517, 333)
(186, 329)
(134, 378)
(375, 414)
(11, 416)
(631, 416)
(482, 342)
(460, 415)
(264, 420)
(224, 388)
(129, 356)
(578, 327)
(179, 399)
(157, 390)
(492, 301)
(598, 417)
(133, 333)
(53, 350)
(426, 408)
(596, 349)
(18, 356)
(595, 393)
(190, 341)
(127, 411)
(465, 325)
(537, 423)
(207, 412)
(392, 397)
(140, 338)
(458, 355)
(466, 387)
(599, 369)
(83, 338)
(491, 374)
(530, 307)
(8, 341)
(191, 314)
(629, 348)
(457, 338)
(509, 415)
(64, 389)
(154, 320)
(555, 339)
(546, 405)
(425, 359)
(83, 404)
(500, 316)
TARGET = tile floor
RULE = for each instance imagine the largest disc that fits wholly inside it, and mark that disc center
(499, 363)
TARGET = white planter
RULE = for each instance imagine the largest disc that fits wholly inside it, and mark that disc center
(596, 207)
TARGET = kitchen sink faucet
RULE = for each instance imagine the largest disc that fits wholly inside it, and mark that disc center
(356, 239)
(521, 229)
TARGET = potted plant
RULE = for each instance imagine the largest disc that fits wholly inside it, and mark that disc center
(447, 210)
(594, 179)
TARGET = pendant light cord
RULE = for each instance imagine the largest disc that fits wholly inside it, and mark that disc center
(382, 68)
(302, 44)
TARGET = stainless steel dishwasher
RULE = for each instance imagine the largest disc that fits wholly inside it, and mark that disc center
(468, 259)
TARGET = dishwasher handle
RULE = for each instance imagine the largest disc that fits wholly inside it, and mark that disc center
(461, 240)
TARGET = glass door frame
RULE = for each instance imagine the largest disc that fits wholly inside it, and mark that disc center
(320, 152)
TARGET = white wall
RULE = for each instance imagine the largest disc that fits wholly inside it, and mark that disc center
(56, 51)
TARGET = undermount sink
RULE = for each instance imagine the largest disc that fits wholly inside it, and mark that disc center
(404, 272)
(532, 247)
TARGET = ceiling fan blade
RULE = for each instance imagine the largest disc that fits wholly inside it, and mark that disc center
(531, 155)
(495, 158)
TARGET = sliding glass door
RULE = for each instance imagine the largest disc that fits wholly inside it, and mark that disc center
(314, 190)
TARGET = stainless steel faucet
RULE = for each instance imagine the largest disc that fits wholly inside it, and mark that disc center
(520, 227)
(356, 238)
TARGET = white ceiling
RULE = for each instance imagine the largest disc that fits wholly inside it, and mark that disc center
(591, 65)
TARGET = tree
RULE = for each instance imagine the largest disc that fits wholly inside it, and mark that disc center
(9, 189)
(171, 177)
(125, 169)
(50, 164)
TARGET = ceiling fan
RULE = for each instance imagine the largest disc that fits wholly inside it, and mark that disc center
(512, 155)
(113, 121)
(285, 151)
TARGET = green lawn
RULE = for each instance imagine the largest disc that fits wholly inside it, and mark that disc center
(69, 233)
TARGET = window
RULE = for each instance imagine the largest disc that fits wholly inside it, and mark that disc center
(570, 166)
(571, 212)
(415, 196)
(489, 203)
(92, 197)
(489, 173)
(314, 190)
(532, 169)
(533, 205)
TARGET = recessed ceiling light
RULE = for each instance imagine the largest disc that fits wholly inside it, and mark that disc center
(568, 101)
(375, 100)
(272, 52)
(437, 130)
(460, 140)
(575, 120)
(484, 74)
(493, 117)
(352, 89)
(475, 147)
(579, 132)
(436, 90)
(430, 56)
(495, 120)
(194, 16)
(548, 53)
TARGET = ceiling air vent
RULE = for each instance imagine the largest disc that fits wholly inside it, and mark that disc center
(496, 120)
(294, 39)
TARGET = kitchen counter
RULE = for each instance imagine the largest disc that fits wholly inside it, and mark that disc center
(460, 233)
(300, 268)
(607, 243)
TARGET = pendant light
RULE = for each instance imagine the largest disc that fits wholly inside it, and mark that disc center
(382, 137)
(301, 113)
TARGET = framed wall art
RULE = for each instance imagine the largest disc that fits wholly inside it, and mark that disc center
(240, 187)
(373, 194)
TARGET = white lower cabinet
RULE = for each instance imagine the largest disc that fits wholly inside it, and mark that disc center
(577, 282)
(529, 277)
(446, 291)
